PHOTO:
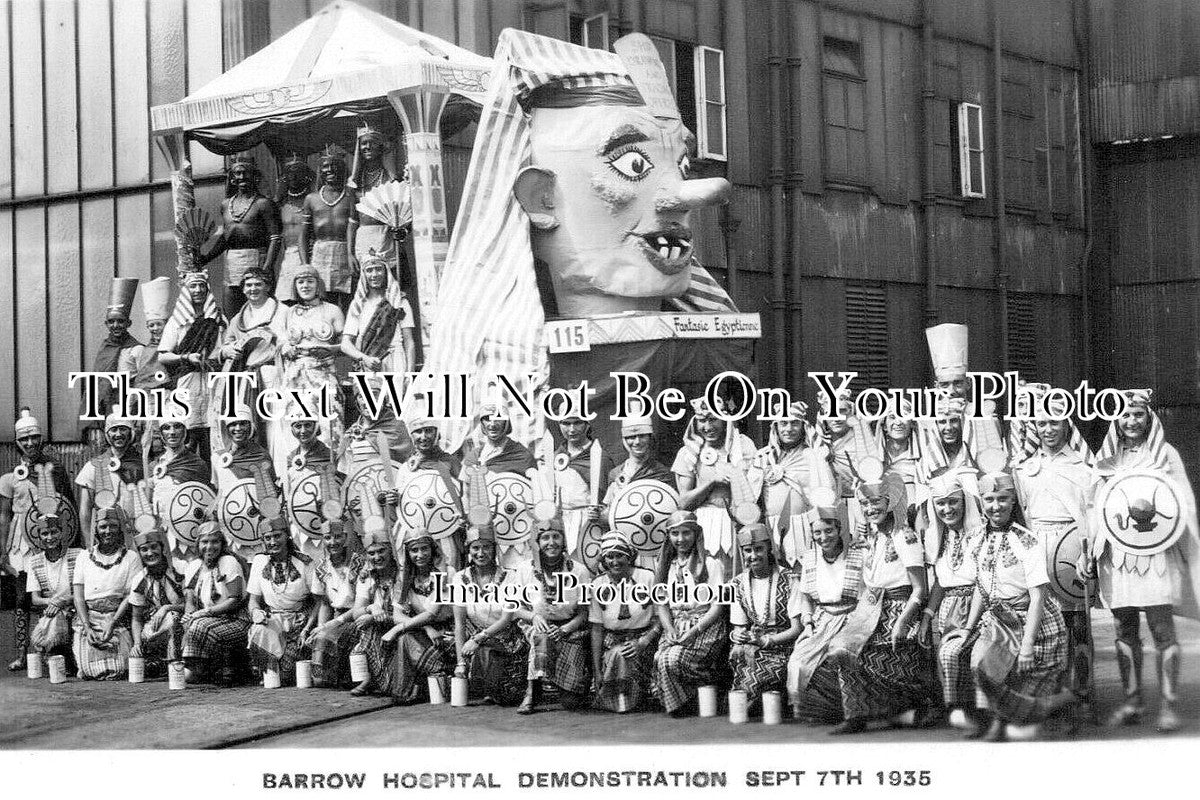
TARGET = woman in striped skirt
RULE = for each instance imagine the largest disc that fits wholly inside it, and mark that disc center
(371, 615)
(555, 623)
(49, 586)
(830, 582)
(214, 617)
(101, 581)
(765, 616)
(285, 598)
(424, 629)
(693, 651)
(1014, 642)
(491, 650)
(883, 671)
(948, 520)
(338, 569)
(623, 628)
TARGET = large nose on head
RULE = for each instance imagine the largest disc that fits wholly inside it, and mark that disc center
(693, 194)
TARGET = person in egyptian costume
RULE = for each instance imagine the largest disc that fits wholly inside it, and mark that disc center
(1014, 642)
(693, 650)
(215, 619)
(243, 456)
(157, 599)
(379, 325)
(423, 629)
(285, 599)
(176, 469)
(624, 630)
(311, 483)
(898, 445)
(339, 561)
(185, 350)
(141, 362)
(830, 582)
(1150, 492)
(51, 570)
(1055, 486)
(765, 616)
(294, 183)
(116, 354)
(555, 621)
(492, 652)
(374, 604)
(883, 670)
(575, 205)
(327, 213)
(794, 463)
(367, 235)
(713, 449)
(575, 473)
(37, 491)
(101, 582)
(251, 235)
(946, 443)
(109, 480)
(637, 437)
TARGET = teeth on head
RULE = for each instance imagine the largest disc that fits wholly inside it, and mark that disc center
(664, 252)
(662, 241)
(685, 243)
(674, 253)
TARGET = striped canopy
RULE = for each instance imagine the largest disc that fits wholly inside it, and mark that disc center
(344, 60)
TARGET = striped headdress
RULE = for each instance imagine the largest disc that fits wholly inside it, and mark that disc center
(489, 314)
(185, 314)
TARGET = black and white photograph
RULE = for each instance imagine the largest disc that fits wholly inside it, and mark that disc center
(615, 397)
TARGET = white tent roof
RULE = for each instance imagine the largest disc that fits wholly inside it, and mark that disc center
(343, 54)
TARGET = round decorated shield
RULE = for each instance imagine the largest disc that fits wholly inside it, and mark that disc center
(186, 509)
(237, 511)
(511, 498)
(30, 523)
(426, 502)
(304, 502)
(1062, 554)
(589, 546)
(366, 482)
(640, 511)
(1141, 512)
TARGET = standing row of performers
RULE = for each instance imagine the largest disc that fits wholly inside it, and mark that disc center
(896, 574)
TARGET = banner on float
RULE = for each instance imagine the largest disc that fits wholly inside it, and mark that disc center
(581, 335)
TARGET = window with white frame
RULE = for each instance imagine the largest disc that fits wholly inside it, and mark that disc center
(710, 103)
(595, 31)
(970, 150)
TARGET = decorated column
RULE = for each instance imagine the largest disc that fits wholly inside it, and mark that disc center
(420, 112)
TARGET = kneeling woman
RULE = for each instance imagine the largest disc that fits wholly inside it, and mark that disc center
(830, 582)
(424, 628)
(338, 568)
(285, 598)
(371, 615)
(49, 586)
(556, 622)
(157, 599)
(101, 583)
(765, 616)
(1015, 639)
(623, 630)
(883, 670)
(693, 651)
(214, 619)
(491, 650)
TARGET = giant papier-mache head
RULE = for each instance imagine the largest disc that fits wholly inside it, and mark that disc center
(573, 166)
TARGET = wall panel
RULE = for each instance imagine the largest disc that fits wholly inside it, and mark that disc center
(30, 334)
(130, 103)
(62, 114)
(8, 337)
(27, 120)
(96, 149)
(64, 314)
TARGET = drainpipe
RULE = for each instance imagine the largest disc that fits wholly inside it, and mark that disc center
(778, 202)
(928, 195)
(1001, 223)
(795, 161)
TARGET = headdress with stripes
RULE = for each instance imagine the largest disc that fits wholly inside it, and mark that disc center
(490, 316)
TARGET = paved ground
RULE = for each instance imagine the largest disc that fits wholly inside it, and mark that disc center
(39, 715)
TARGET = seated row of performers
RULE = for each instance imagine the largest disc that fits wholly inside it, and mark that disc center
(847, 638)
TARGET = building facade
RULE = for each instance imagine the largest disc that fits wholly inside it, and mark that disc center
(895, 163)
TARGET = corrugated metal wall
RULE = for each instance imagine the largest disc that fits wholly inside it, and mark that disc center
(1145, 67)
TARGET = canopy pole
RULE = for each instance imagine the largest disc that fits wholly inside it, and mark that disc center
(421, 112)
(183, 193)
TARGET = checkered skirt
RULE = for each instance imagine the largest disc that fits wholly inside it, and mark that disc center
(565, 662)
(680, 669)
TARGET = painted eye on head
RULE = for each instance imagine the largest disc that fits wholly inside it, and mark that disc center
(632, 164)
